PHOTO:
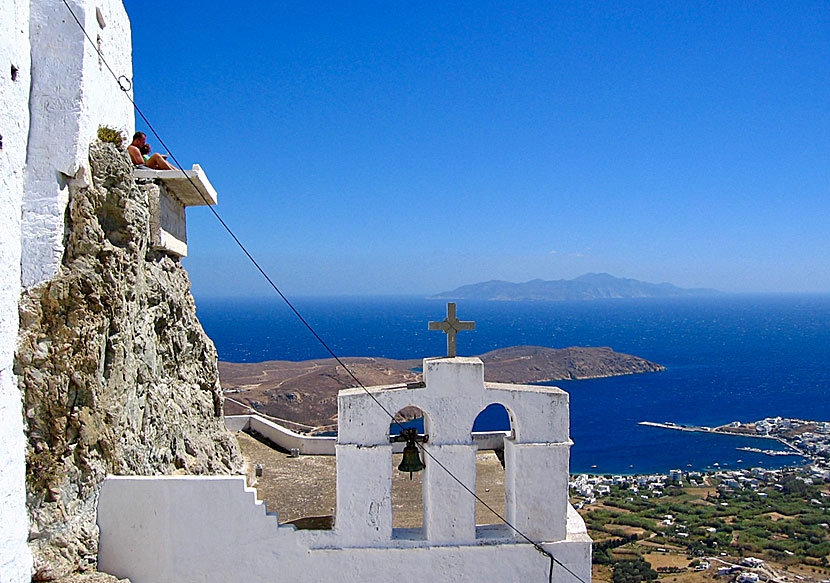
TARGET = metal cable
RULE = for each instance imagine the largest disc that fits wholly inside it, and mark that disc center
(125, 85)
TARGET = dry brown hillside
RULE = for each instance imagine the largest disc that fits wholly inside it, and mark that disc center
(306, 392)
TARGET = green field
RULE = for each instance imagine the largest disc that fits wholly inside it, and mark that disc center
(786, 522)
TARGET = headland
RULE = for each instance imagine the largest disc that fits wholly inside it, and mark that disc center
(305, 392)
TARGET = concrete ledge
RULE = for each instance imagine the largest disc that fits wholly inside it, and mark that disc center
(178, 183)
(171, 244)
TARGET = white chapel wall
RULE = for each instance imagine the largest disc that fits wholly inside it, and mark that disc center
(455, 392)
(72, 93)
(191, 529)
(15, 560)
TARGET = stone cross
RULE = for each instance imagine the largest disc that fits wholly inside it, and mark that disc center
(452, 326)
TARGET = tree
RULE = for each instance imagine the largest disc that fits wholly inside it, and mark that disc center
(633, 571)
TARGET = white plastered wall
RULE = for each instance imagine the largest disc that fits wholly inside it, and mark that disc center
(15, 560)
(72, 94)
(193, 529)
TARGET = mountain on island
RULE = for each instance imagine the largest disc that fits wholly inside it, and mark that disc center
(591, 286)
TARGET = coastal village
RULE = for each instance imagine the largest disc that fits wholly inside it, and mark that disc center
(810, 439)
(746, 525)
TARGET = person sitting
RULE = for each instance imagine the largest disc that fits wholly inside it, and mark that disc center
(155, 161)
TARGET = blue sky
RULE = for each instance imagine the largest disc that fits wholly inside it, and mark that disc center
(409, 148)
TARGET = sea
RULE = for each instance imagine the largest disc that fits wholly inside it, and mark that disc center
(727, 358)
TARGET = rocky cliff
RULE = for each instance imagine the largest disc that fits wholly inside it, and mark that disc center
(118, 375)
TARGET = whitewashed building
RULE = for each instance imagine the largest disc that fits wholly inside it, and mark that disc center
(54, 93)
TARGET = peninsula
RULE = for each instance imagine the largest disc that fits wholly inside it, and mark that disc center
(591, 286)
(306, 392)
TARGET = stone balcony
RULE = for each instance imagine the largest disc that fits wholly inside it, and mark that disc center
(169, 192)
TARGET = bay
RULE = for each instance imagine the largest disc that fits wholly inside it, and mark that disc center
(728, 358)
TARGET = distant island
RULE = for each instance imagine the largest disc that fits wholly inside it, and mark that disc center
(591, 286)
(306, 392)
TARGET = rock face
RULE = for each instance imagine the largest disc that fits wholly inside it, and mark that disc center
(118, 375)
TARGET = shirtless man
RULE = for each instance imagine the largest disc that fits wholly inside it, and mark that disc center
(156, 161)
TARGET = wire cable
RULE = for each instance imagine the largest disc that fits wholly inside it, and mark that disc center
(126, 85)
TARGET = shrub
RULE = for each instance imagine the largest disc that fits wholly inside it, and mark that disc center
(110, 135)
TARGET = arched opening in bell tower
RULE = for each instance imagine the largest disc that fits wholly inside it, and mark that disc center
(407, 478)
(491, 426)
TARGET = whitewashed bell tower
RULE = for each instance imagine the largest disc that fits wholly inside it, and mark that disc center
(452, 395)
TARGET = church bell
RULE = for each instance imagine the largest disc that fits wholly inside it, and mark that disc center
(411, 461)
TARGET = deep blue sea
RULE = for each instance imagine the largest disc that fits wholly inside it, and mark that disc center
(728, 358)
